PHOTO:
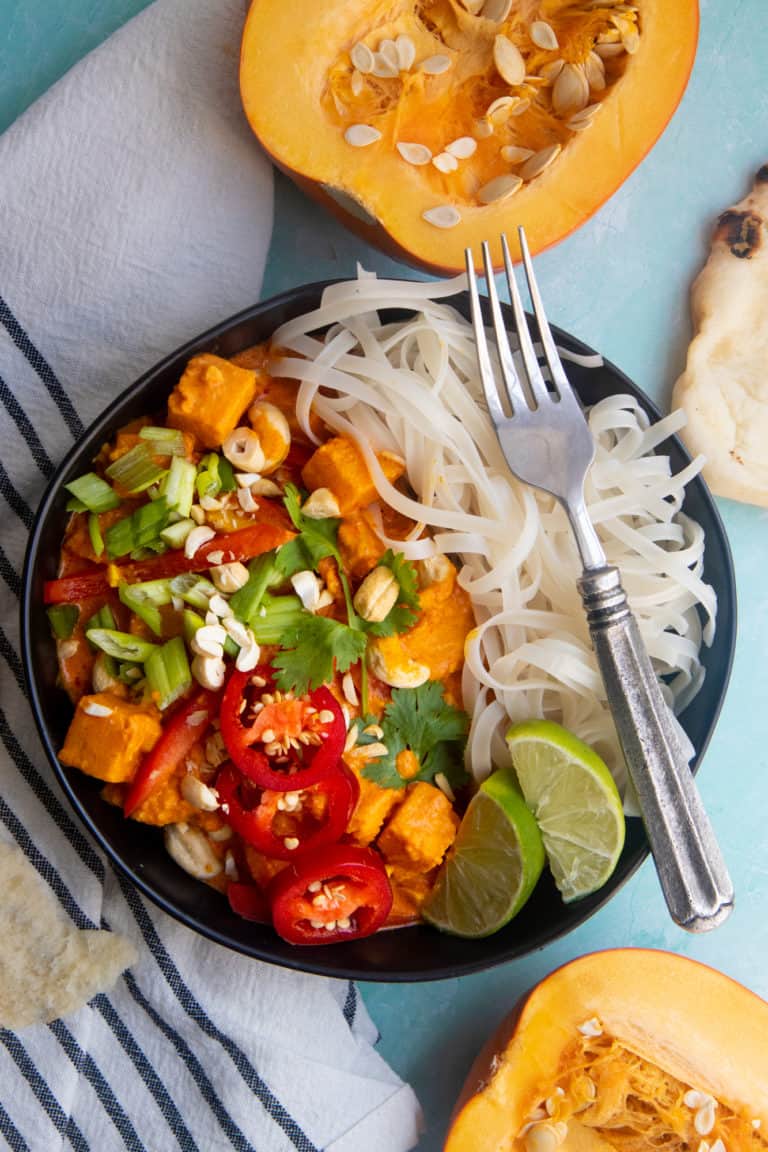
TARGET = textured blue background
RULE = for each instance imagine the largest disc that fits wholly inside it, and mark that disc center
(621, 284)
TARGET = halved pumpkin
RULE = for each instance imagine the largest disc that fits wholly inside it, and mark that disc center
(629, 1049)
(428, 126)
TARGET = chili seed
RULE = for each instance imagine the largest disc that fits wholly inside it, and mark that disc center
(315, 886)
(326, 716)
(291, 842)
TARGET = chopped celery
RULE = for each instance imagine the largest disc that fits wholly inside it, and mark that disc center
(164, 441)
(136, 470)
(179, 486)
(167, 671)
(93, 493)
(121, 645)
(94, 531)
(175, 534)
(193, 589)
(246, 601)
(63, 618)
(208, 481)
(275, 616)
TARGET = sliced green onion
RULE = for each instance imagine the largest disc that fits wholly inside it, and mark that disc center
(192, 621)
(119, 537)
(164, 441)
(104, 618)
(167, 671)
(208, 481)
(142, 606)
(246, 601)
(275, 615)
(179, 486)
(121, 645)
(129, 673)
(93, 492)
(176, 534)
(140, 530)
(193, 589)
(63, 619)
(227, 475)
(136, 470)
(75, 505)
(94, 531)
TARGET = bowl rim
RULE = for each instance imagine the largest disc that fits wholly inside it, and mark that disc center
(301, 959)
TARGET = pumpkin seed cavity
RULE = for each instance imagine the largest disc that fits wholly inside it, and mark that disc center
(542, 82)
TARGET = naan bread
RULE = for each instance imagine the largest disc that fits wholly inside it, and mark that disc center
(48, 968)
(724, 389)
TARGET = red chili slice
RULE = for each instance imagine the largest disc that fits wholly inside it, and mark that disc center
(180, 733)
(249, 902)
(335, 894)
(244, 544)
(254, 813)
(278, 741)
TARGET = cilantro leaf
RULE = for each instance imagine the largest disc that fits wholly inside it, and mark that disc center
(317, 537)
(404, 614)
(292, 558)
(419, 719)
(313, 650)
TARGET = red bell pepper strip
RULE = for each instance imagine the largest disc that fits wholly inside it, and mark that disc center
(249, 902)
(253, 813)
(244, 544)
(181, 732)
(343, 888)
(306, 735)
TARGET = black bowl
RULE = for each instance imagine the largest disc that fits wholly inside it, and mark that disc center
(409, 954)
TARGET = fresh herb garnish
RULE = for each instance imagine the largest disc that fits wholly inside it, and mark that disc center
(313, 650)
(421, 720)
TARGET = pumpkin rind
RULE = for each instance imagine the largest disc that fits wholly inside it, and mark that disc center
(288, 48)
(695, 1023)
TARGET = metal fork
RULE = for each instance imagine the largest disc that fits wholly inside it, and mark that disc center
(547, 443)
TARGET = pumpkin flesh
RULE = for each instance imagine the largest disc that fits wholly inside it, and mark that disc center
(303, 96)
(667, 1026)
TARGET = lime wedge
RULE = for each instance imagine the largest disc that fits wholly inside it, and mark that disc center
(494, 863)
(575, 801)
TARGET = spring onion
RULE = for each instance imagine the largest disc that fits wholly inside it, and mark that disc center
(104, 618)
(246, 601)
(164, 441)
(208, 481)
(168, 673)
(227, 475)
(145, 600)
(93, 493)
(139, 530)
(121, 645)
(136, 470)
(75, 505)
(179, 485)
(175, 534)
(94, 531)
(63, 619)
(275, 615)
(193, 589)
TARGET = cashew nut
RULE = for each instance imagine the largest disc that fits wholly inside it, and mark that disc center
(321, 505)
(101, 677)
(243, 450)
(434, 570)
(406, 674)
(230, 577)
(377, 595)
(273, 431)
(198, 794)
(191, 850)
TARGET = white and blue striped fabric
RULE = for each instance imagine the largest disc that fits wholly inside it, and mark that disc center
(135, 211)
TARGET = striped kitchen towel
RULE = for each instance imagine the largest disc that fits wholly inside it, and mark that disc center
(135, 211)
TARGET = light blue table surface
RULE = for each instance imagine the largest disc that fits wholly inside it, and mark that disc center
(621, 284)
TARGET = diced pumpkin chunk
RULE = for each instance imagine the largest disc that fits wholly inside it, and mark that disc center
(210, 398)
(421, 831)
(108, 737)
(436, 641)
(409, 891)
(339, 465)
(374, 805)
(360, 547)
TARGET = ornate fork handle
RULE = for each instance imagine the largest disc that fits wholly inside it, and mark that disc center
(691, 869)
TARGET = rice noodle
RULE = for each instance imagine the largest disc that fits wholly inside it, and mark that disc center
(411, 387)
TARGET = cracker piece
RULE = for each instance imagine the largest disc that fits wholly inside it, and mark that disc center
(48, 968)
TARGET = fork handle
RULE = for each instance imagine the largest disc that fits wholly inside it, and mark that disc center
(693, 875)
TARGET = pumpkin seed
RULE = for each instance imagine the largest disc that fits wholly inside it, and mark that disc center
(594, 70)
(513, 154)
(571, 91)
(472, 6)
(362, 57)
(504, 104)
(388, 52)
(543, 35)
(497, 10)
(539, 161)
(383, 68)
(435, 65)
(443, 216)
(631, 42)
(550, 72)
(608, 51)
(586, 114)
(361, 135)
(444, 162)
(462, 148)
(339, 104)
(482, 129)
(499, 188)
(610, 36)
(406, 52)
(414, 153)
(520, 107)
(356, 83)
(508, 60)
